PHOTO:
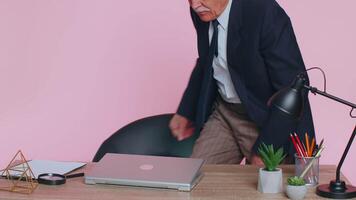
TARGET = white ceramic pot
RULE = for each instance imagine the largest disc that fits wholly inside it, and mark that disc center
(270, 181)
(296, 192)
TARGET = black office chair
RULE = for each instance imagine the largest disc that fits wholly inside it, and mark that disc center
(147, 136)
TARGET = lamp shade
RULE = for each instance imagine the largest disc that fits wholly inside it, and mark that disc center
(290, 100)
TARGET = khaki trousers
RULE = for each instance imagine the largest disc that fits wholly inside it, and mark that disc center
(227, 137)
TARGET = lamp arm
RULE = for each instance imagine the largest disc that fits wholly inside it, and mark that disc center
(315, 90)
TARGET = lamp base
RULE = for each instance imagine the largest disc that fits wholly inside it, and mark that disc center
(336, 190)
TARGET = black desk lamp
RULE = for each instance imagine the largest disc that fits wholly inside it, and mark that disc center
(290, 102)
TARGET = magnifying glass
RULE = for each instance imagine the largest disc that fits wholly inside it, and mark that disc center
(55, 179)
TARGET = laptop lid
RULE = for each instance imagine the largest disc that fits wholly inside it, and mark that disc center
(148, 171)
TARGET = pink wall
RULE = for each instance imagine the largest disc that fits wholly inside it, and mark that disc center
(72, 72)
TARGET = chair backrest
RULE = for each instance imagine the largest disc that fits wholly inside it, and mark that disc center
(147, 136)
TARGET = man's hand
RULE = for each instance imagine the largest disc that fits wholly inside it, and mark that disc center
(181, 127)
(256, 160)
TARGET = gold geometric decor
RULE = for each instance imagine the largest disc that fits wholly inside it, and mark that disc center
(18, 176)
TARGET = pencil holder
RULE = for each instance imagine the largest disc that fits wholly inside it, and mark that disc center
(311, 176)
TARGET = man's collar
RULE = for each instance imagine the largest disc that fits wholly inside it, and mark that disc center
(223, 19)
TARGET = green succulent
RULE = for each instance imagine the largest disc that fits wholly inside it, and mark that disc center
(270, 157)
(296, 181)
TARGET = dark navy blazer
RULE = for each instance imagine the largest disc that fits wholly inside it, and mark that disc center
(263, 56)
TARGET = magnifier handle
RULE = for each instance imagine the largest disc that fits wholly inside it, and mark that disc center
(75, 175)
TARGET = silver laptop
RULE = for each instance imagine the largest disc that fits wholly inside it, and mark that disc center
(148, 171)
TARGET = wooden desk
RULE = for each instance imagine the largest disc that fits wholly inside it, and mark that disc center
(220, 182)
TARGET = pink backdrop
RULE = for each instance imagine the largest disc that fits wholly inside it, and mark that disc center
(74, 71)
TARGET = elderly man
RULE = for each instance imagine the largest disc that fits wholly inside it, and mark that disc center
(247, 51)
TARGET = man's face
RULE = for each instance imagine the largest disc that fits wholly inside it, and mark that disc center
(208, 10)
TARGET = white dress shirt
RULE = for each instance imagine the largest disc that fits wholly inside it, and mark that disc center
(221, 71)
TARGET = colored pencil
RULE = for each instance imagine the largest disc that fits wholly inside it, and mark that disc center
(300, 144)
(321, 143)
(296, 146)
(312, 146)
(307, 143)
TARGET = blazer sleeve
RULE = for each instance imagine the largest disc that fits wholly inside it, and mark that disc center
(283, 60)
(279, 48)
(189, 101)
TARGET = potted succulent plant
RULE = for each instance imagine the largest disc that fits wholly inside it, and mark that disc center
(296, 188)
(270, 178)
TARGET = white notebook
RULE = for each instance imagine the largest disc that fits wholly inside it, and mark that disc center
(47, 166)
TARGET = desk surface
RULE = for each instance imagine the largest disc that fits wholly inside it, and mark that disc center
(219, 182)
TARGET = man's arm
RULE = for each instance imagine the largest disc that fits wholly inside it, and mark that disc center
(283, 60)
(187, 106)
(182, 123)
(279, 48)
